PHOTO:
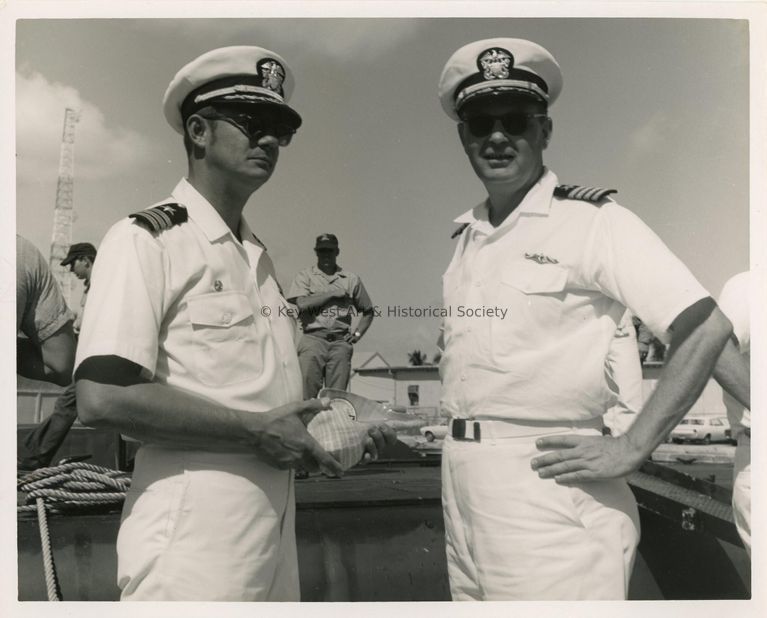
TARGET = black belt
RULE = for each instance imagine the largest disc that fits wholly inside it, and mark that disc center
(326, 336)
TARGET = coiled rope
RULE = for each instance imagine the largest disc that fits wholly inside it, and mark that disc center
(66, 487)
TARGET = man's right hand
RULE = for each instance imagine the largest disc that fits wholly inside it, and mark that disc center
(284, 442)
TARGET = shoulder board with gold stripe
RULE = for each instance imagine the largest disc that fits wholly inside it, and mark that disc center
(587, 194)
(460, 230)
(162, 217)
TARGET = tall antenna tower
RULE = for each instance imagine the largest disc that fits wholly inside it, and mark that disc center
(63, 214)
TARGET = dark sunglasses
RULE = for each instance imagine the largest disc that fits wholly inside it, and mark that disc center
(514, 123)
(255, 127)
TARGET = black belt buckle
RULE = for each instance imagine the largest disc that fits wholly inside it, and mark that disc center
(458, 430)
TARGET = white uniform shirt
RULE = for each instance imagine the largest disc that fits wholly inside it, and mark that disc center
(197, 309)
(565, 270)
(734, 303)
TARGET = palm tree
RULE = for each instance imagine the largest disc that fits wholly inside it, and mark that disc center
(416, 358)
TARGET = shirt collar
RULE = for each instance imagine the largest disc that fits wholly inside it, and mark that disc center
(537, 201)
(200, 209)
(339, 272)
(247, 234)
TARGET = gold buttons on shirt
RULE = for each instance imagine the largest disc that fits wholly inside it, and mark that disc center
(226, 318)
(217, 285)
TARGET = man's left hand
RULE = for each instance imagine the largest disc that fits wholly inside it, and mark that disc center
(575, 459)
(351, 338)
(379, 436)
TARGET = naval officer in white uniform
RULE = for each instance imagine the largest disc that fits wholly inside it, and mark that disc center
(184, 346)
(522, 524)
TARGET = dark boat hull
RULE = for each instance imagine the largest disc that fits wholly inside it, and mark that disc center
(378, 535)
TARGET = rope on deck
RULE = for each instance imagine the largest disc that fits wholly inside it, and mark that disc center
(51, 579)
(71, 485)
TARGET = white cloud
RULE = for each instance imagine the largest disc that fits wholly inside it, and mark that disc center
(651, 136)
(101, 150)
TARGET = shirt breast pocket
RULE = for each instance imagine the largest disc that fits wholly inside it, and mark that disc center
(224, 335)
(534, 296)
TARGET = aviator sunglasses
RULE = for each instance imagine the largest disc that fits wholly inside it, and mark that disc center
(514, 123)
(255, 127)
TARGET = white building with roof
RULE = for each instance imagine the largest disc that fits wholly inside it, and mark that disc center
(411, 388)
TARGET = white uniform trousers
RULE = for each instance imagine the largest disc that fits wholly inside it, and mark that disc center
(511, 535)
(199, 526)
(741, 490)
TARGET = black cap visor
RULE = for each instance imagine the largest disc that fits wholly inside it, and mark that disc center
(510, 96)
(249, 103)
(71, 258)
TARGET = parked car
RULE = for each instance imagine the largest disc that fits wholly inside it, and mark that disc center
(705, 429)
(434, 432)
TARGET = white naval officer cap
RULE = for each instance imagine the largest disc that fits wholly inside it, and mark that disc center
(498, 66)
(241, 74)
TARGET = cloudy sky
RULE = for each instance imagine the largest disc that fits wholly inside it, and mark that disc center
(656, 108)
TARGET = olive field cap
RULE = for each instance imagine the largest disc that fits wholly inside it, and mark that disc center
(241, 74)
(326, 241)
(498, 66)
(78, 250)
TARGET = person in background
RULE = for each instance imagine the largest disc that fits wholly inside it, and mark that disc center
(733, 373)
(328, 297)
(645, 340)
(535, 502)
(624, 375)
(80, 259)
(46, 349)
(42, 443)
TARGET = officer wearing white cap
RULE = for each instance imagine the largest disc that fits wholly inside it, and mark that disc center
(562, 524)
(184, 347)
